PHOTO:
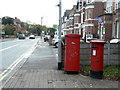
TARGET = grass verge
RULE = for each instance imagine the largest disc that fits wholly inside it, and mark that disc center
(111, 72)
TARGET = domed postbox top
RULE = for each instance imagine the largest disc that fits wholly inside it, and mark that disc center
(98, 41)
(73, 35)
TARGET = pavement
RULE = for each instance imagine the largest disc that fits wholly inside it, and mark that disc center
(40, 72)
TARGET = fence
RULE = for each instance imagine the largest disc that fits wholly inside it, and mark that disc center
(111, 54)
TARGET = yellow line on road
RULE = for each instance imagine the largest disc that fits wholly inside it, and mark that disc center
(4, 74)
(5, 71)
(9, 69)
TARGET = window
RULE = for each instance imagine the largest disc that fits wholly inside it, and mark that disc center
(109, 7)
(89, 13)
(89, 30)
(119, 5)
(86, 14)
(82, 17)
(84, 3)
(76, 19)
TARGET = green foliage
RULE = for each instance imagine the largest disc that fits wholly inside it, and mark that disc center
(23, 24)
(7, 20)
(111, 71)
(37, 29)
(55, 26)
(20, 32)
(86, 68)
(51, 30)
(9, 29)
(14, 26)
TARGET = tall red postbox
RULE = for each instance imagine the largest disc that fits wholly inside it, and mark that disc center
(97, 56)
(72, 53)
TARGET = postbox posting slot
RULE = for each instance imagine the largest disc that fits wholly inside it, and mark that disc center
(94, 47)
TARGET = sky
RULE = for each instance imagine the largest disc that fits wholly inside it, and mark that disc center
(33, 10)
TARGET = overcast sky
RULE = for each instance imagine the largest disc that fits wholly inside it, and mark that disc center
(33, 10)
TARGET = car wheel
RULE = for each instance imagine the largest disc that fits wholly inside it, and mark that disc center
(56, 45)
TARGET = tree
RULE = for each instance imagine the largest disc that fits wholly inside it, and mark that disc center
(45, 29)
(37, 29)
(14, 26)
(51, 30)
(9, 29)
(7, 20)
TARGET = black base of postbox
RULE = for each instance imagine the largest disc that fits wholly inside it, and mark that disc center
(59, 66)
(96, 74)
(71, 72)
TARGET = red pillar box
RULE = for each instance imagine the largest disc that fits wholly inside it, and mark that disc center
(97, 55)
(72, 53)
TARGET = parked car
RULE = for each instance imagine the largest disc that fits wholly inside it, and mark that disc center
(46, 38)
(21, 36)
(55, 41)
(81, 41)
(32, 37)
(115, 41)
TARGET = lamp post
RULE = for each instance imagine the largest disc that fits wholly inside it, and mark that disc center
(0, 27)
(41, 20)
(59, 37)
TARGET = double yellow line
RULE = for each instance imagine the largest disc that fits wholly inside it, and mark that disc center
(9, 69)
(12, 66)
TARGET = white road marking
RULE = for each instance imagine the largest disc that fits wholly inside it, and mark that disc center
(8, 47)
(9, 69)
(13, 65)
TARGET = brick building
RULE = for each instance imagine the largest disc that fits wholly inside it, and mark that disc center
(65, 22)
(68, 20)
(93, 19)
(92, 11)
(71, 19)
(88, 11)
(109, 22)
(116, 19)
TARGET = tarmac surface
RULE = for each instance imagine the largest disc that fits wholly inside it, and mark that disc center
(6, 39)
(40, 72)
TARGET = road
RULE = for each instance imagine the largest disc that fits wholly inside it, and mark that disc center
(13, 53)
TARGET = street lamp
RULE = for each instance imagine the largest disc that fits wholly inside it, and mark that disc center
(41, 20)
(59, 37)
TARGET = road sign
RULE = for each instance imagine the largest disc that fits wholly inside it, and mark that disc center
(102, 23)
(55, 26)
(96, 19)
